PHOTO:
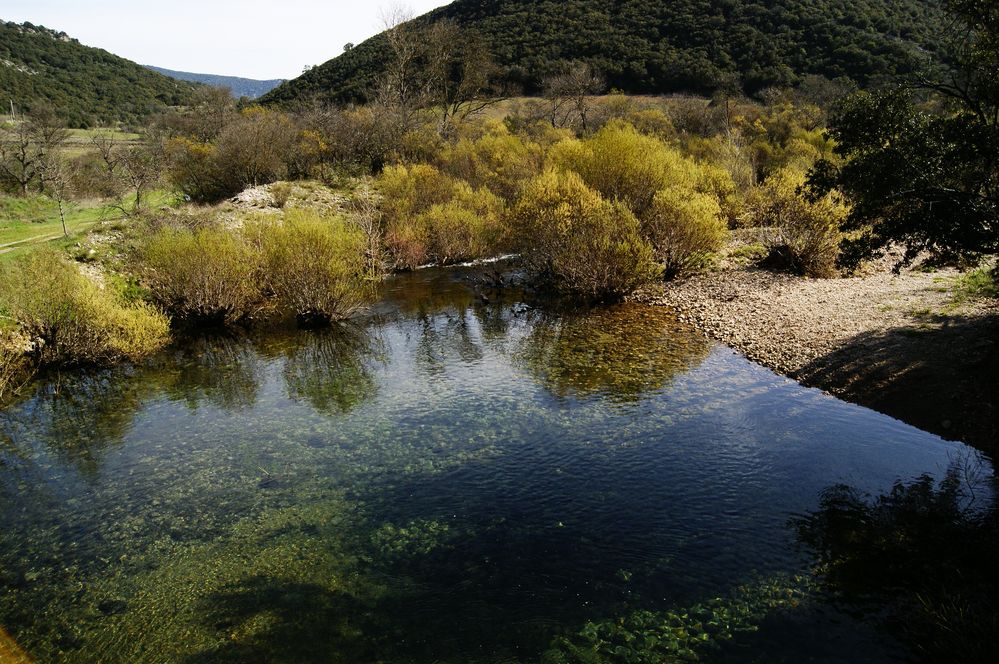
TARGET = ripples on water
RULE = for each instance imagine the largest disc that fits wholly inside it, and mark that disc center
(450, 479)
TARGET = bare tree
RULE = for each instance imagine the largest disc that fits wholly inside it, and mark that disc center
(57, 176)
(128, 168)
(25, 147)
(400, 90)
(568, 94)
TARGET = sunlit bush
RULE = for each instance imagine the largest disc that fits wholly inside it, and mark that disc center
(71, 319)
(579, 242)
(315, 265)
(801, 235)
(626, 166)
(684, 229)
(498, 161)
(432, 217)
(12, 366)
(207, 274)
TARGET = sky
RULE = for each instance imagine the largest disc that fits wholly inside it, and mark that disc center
(261, 39)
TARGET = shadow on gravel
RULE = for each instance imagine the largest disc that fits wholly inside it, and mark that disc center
(941, 376)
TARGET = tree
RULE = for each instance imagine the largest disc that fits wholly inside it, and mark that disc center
(26, 147)
(568, 93)
(926, 181)
(127, 168)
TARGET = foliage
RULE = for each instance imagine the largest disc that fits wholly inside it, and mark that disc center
(497, 160)
(661, 47)
(12, 366)
(73, 320)
(315, 265)
(684, 229)
(430, 216)
(579, 242)
(976, 284)
(927, 182)
(209, 274)
(86, 87)
(801, 233)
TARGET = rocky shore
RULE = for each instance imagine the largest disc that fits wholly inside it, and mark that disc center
(902, 344)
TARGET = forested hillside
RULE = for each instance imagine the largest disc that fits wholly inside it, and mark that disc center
(662, 46)
(83, 85)
(240, 87)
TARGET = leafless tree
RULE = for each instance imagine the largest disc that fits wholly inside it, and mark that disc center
(568, 94)
(26, 147)
(128, 168)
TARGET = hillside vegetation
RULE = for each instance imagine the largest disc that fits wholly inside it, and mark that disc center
(240, 87)
(85, 86)
(664, 46)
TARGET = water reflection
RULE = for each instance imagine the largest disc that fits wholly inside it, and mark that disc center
(622, 353)
(222, 370)
(330, 369)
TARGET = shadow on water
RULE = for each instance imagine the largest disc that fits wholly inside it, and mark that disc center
(940, 377)
(921, 558)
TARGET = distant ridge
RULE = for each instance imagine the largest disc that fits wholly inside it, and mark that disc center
(663, 46)
(241, 87)
(85, 86)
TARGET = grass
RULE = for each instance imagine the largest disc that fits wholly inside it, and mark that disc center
(27, 222)
(976, 285)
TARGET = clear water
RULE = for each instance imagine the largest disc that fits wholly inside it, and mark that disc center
(449, 480)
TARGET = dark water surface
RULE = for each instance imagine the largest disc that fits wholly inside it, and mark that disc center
(450, 480)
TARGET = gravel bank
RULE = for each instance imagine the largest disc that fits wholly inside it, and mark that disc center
(895, 343)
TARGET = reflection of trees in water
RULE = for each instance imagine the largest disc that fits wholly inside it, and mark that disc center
(924, 554)
(79, 415)
(222, 370)
(622, 352)
(331, 369)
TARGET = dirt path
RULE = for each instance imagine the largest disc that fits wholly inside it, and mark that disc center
(895, 343)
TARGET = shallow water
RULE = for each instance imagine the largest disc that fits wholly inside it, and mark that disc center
(455, 478)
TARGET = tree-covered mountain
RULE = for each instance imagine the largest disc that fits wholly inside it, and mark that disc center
(83, 85)
(663, 46)
(241, 87)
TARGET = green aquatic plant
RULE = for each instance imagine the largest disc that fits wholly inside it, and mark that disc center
(415, 538)
(682, 634)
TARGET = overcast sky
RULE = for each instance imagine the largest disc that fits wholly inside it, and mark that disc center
(251, 38)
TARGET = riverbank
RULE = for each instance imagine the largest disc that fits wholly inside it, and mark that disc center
(906, 345)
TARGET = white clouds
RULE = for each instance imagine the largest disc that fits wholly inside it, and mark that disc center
(251, 38)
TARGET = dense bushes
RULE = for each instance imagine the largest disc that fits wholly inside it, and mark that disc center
(70, 319)
(432, 217)
(579, 242)
(801, 234)
(684, 229)
(208, 274)
(315, 265)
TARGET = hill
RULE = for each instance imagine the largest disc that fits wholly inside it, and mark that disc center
(664, 46)
(85, 86)
(241, 87)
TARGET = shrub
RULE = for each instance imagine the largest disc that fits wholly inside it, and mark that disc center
(430, 216)
(316, 266)
(207, 274)
(800, 234)
(11, 366)
(623, 165)
(71, 319)
(498, 161)
(684, 228)
(579, 242)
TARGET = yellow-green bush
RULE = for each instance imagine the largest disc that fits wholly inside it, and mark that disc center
(11, 366)
(315, 265)
(578, 241)
(71, 319)
(497, 160)
(624, 165)
(432, 217)
(684, 229)
(207, 274)
(800, 234)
